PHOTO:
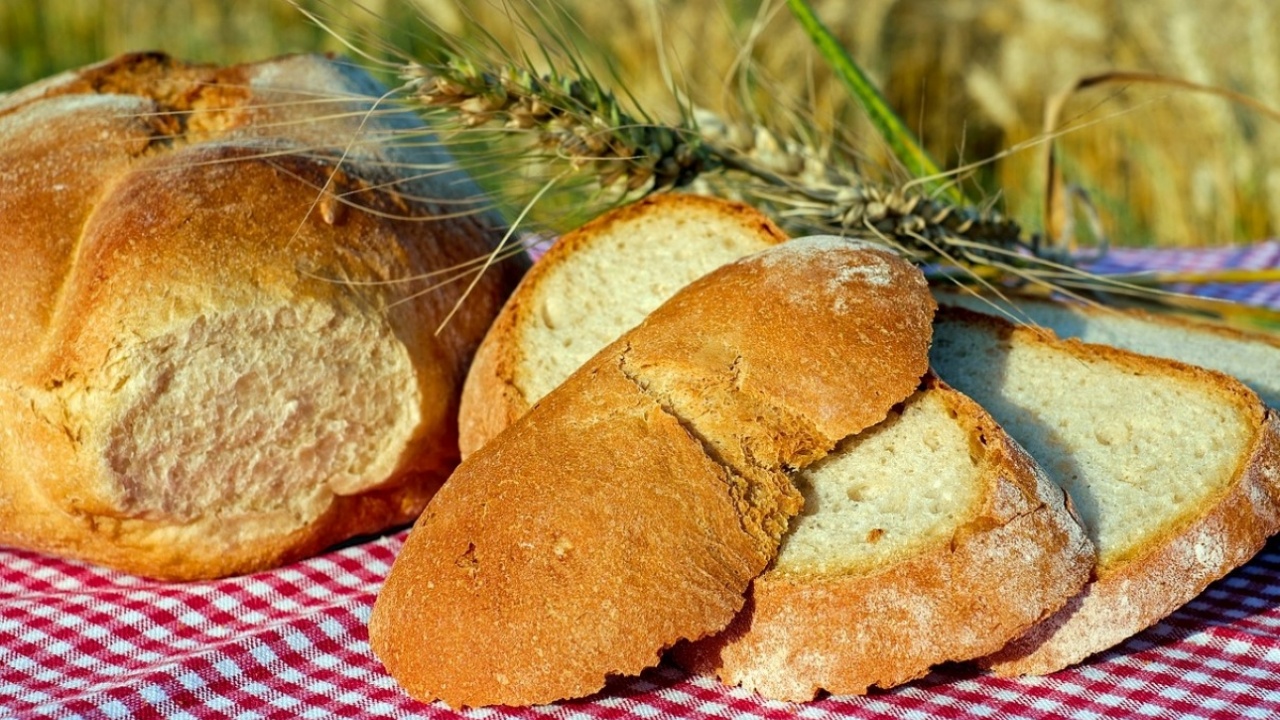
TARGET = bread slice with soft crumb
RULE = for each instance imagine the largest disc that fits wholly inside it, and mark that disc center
(594, 284)
(932, 537)
(1252, 358)
(1172, 468)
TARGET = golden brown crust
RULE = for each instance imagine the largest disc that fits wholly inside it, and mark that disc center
(604, 525)
(172, 83)
(118, 232)
(537, 570)
(495, 394)
(1018, 559)
(45, 206)
(1143, 590)
(797, 329)
(491, 400)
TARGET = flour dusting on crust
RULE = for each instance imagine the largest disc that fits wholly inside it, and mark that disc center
(865, 269)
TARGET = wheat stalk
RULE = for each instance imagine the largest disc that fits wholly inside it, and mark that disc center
(570, 125)
(572, 118)
(569, 117)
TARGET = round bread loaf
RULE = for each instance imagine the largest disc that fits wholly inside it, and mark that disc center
(213, 361)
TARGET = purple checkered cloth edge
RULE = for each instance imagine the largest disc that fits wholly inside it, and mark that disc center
(82, 642)
(1247, 257)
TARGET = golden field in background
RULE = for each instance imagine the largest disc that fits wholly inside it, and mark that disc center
(1162, 166)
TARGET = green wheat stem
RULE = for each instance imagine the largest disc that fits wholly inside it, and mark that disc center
(899, 137)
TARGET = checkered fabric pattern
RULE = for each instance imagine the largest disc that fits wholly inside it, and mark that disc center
(82, 642)
(1246, 257)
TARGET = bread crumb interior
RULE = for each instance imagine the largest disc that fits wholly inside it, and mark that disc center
(318, 402)
(645, 261)
(885, 493)
(1139, 452)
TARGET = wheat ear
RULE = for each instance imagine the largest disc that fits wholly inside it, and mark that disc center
(574, 119)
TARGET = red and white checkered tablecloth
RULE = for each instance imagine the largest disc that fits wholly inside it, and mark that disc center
(82, 642)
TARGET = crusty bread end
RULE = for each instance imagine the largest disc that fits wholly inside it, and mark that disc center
(631, 507)
(208, 369)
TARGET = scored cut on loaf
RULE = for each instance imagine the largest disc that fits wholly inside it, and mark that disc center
(1172, 468)
(595, 283)
(631, 507)
(209, 369)
(1250, 357)
(931, 537)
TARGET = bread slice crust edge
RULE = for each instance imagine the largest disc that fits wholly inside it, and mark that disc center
(495, 392)
(1017, 559)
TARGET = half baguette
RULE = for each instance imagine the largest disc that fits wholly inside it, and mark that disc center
(633, 505)
(1172, 468)
(210, 365)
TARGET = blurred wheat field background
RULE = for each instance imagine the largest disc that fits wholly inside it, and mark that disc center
(972, 77)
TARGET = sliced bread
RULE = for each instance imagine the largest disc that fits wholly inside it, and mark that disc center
(931, 537)
(1173, 470)
(975, 508)
(1252, 358)
(594, 284)
(633, 505)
